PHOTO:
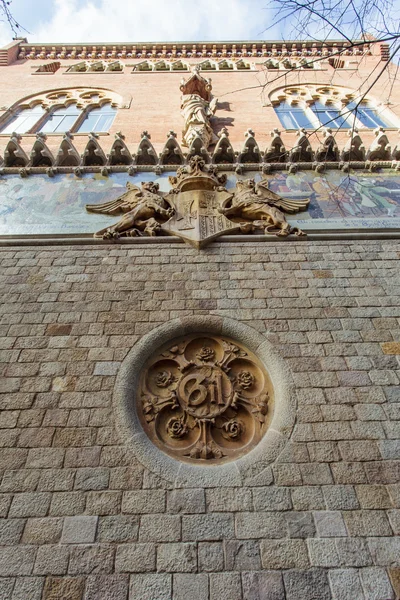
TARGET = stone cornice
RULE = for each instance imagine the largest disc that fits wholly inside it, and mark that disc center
(149, 50)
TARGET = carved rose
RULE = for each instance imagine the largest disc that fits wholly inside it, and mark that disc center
(176, 427)
(206, 353)
(245, 379)
(233, 428)
(164, 379)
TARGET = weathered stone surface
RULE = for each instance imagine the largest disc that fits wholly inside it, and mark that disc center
(385, 551)
(30, 505)
(225, 586)
(263, 585)
(210, 556)
(91, 559)
(160, 528)
(193, 586)
(345, 584)
(106, 587)
(284, 554)
(177, 558)
(16, 560)
(312, 584)
(353, 552)
(119, 528)
(150, 587)
(143, 501)
(210, 527)
(135, 558)
(300, 524)
(186, 501)
(28, 587)
(52, 560)
(43, 531)
(68, 588)
(79, 530)
(376, 584)
(242, 555)
(6, 587)
(330, 524)
(11, 531)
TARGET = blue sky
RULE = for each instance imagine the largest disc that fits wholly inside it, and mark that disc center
(140, 20)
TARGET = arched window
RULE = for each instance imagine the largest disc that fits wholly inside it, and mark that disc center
(312, 106)
(79, 111)
(98, 119)
(61, 120)
(329, 115)
(367, 115)
(292, 116)
(24, 120)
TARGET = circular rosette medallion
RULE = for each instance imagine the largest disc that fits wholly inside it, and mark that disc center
(205, 398)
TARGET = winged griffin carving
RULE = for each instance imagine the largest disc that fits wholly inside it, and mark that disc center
(255, 206)
(144, 210)
(198, 208)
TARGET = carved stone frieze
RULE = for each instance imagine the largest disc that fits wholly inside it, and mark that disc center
(199, 208)
(205, 398)
(120, 159)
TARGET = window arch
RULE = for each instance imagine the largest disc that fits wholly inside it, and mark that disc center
(337, 108)
(78, 110)
(292, 116)
(329, 115)
(24, 120)
(97, 119)
(368, 115)
(61, 119)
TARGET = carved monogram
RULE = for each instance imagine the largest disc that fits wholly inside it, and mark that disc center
(204, 398)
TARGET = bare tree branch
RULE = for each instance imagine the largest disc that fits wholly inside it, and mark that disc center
(7, 17)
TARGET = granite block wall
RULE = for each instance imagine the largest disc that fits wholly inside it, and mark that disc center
(80, 519)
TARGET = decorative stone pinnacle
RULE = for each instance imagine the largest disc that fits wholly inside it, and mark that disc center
(16, 136)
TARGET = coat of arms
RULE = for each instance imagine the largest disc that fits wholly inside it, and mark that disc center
(199, 208)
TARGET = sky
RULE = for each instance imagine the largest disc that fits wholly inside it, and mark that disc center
(139, 20)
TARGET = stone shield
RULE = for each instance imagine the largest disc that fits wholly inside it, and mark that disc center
(197, 219)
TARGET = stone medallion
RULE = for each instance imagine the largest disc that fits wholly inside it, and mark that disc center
(204, 398)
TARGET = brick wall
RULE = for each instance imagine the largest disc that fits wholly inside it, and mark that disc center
(81, 521)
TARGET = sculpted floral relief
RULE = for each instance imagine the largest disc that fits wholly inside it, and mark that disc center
(204, 398)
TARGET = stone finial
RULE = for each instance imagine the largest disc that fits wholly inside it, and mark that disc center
(380, 148)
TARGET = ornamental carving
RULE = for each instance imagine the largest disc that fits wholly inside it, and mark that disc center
(199, 208)
(197, 106)
(204, 398)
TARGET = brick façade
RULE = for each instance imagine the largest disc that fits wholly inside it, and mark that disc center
(80, 520)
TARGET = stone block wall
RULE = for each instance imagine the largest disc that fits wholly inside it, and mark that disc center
(81, 520)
